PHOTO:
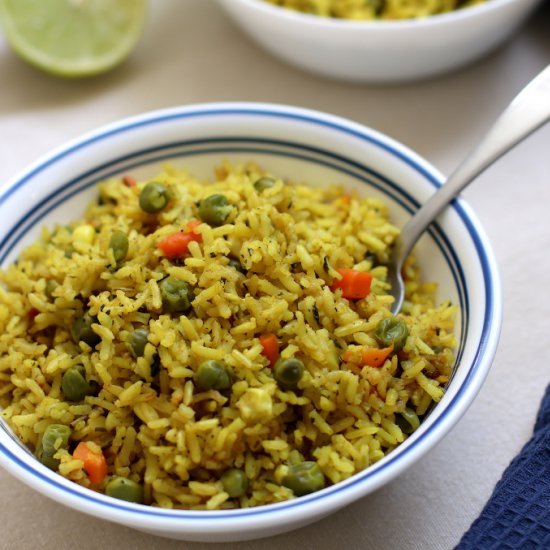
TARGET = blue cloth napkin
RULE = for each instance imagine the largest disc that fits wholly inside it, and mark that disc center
(517, 516)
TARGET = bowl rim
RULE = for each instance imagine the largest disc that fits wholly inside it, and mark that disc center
(66, 492)
(324, 23)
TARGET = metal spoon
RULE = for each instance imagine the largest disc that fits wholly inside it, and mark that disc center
(529, 110)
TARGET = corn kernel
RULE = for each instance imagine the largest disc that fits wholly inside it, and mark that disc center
(83, 237)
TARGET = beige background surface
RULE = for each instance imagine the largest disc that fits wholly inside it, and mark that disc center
(191, 53)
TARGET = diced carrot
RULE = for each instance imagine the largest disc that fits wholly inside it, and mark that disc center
(176, 245)
(94, 463)
(375, 357)
(354, 284)
(270, 345)
(372, 357)
(129, 181)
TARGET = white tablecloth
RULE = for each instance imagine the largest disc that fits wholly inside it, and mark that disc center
(191, 53)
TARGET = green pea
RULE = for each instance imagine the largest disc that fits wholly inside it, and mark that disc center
(304, 478)
(55, 437)
(392, 331)
(213, 375)
(82, 330)
(235, 482)
(288, 372)
(235, 264)
(214, 209)
(263, 183)
(51, 285)
(124, 489)
(153, 197)
(48, 460)
(408, 421)
(52, 433)
(119, 245)
(137, 341)
(74, 384)
(176, 295)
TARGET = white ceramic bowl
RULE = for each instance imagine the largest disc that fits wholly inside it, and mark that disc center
(291, 142)
(379, 51)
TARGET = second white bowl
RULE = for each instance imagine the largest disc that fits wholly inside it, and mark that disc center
(379, 51)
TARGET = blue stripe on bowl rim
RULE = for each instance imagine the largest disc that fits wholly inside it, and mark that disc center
(309, 117)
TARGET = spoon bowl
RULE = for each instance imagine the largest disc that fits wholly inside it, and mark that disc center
(527, 112)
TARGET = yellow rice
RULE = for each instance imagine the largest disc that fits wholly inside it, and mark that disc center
(375, 9)
(161, 430)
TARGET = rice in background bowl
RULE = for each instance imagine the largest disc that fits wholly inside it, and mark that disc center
(323, 149)
(374, 10)
(379, 51)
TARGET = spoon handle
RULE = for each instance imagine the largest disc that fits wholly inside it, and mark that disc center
(529, 110)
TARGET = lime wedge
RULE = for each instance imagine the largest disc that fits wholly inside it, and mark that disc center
(73, 38)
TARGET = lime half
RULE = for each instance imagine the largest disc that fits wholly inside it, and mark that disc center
(73, 38)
